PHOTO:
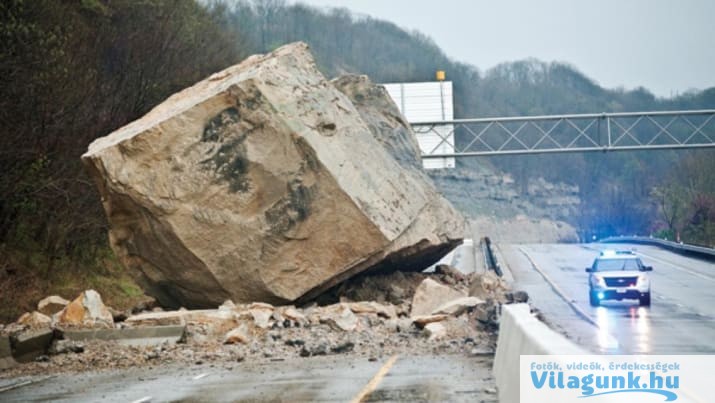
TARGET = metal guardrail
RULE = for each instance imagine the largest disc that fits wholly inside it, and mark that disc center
(490, 258)
(702, 251)
(569, 133)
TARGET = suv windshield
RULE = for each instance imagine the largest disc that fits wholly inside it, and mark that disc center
(616, 264)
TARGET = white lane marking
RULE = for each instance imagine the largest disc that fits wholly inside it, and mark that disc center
(25, 383)
(144, 399)
(201, 376)
(15, 385)
(673, 265)
(375, 381)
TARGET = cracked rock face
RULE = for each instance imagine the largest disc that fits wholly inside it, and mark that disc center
(265, 182)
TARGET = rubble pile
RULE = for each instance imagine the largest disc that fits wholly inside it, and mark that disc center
(408, 313)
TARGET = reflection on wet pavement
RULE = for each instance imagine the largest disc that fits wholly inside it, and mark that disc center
(681, 319)
(641, 323)
(611, 325)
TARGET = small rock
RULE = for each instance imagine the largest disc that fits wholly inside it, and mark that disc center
(237, 335)
(422, 321)
(404, 324)
(51, 305)
(227, 305)
(340, 318)
(403, 309)
(35, 320)
(458, 306)
(385, 311)
(118, 316)
(430, 295)
(295, 315)
(261, 305)
(294, 342)
(65, 346)
(87, 310)
(488, 285)
(319, 349)
(450, 274)
(517, 297)
(487, 313)
(276, 316)
(261, 316)
(397, 293)
(481, 352)
(343, 347)
(392, 325)
(435, 331)
(146, 305)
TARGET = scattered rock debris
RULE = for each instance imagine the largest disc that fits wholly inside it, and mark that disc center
(395, 319)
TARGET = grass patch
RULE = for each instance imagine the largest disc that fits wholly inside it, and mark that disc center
(27, 278)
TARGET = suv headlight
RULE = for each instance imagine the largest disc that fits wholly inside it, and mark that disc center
(642, 279)
(599, 281)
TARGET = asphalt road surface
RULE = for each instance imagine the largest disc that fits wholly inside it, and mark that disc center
(332, 378)
(681, 319)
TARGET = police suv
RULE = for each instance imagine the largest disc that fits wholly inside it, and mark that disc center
(618, 275)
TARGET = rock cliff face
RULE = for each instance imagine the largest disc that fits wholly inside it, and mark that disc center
(264, 182)
(496, 207)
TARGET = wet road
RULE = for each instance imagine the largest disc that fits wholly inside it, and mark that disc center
(681, 319)
(335, 379)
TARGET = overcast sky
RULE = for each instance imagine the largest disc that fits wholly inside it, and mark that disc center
(667, 46)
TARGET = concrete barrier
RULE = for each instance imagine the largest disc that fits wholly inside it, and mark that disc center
(31, 344)
(138, 336)
(6, 359)
(521, 333)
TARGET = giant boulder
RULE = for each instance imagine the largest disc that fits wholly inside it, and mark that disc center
(265, 182)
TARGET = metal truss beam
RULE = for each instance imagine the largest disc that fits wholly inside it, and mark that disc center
(602, 132)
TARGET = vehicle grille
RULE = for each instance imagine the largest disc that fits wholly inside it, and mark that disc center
(621, 281)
